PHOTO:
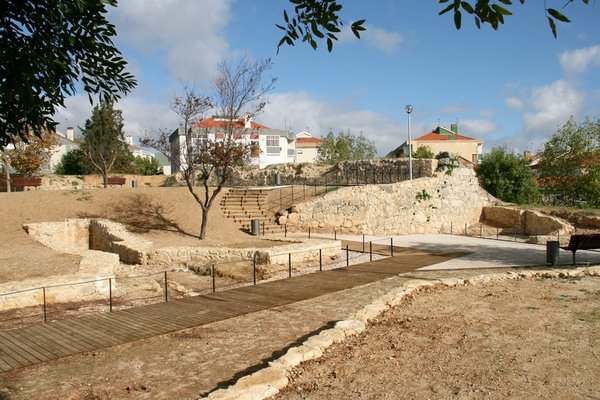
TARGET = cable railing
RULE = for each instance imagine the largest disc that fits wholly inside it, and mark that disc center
(108, 294)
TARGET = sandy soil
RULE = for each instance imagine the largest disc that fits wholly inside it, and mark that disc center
(519, 339)
(531, 338)
(167, 216)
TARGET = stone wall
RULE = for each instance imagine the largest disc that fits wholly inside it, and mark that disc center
(539, 226)
(344, 173)
(425, 205)
(179, 256)
(112, 237)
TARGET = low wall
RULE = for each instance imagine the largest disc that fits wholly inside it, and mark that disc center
(112, 237)
(528, 222)
(425, 205)
(179, 256)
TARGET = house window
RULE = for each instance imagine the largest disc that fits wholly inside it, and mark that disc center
(298, 151)
(273, 145)
(291, 152)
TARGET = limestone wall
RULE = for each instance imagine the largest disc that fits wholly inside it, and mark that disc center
(112, 237)
(70, 236)
(539, 226)
(180, 256)
(425, 205)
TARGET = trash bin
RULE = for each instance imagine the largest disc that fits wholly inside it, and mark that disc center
(552, 250)
(255, 227)
(278, 179)
(133, 183)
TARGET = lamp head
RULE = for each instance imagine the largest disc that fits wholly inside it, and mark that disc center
(408, 109)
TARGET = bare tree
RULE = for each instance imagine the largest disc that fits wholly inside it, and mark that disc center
(209, 154)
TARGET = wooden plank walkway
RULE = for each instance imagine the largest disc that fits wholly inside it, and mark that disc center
(35, 344)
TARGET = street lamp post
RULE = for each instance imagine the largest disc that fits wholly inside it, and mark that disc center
(409, 109)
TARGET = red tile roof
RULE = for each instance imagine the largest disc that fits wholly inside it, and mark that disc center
(437, 136)
(219, 123)
(308, 140)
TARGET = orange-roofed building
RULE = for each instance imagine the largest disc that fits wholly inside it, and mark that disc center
(307, 147)
(450, 140)
(268, 146)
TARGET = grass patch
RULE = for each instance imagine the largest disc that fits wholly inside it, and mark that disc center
(589, 317)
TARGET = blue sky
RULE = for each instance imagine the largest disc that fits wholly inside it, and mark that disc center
(512, 87)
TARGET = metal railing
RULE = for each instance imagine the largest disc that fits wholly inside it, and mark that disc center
(121, 292)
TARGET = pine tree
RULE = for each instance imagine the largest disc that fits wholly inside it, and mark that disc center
(103, 138)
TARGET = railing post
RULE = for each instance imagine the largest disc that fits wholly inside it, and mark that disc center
(214, 278)
(497, 233)
(292, 194)
(110, 304)
(465, 229)
(309, 232)
(254, 267)
(285, 234)
(363, 235)
(166, 290)
(334, 235)
(304, 191)
(320, 259)
(280, 198)
(371, 251)
(451, 228)
(44, 300)
(290, 265)
(347, 257)
(392, 247)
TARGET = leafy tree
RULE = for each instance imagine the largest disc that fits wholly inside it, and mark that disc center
(239, 87)
(146, 166)
(423, 152)
(102, 139)
(507, 177)
(74, 162)
(320, 20)
(345, 146)
(569, 170)
(29, 157)
(47, 47)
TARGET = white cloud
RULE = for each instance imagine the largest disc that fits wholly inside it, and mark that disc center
(515, 103)
(300, 111)
(139, 115)
(578, 61)
(551, 106)
(477, 128)
(376, 38)
(387, 42)
(186, 31)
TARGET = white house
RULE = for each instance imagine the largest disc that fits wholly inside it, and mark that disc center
(268, 146)
(65, 143)
(307, 147)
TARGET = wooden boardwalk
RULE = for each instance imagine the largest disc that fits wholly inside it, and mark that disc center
(35, 344)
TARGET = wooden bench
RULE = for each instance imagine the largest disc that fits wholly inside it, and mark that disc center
(582, 242)
(116, 180)
(25, 181)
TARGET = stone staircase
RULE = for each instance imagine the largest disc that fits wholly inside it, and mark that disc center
(244, 205)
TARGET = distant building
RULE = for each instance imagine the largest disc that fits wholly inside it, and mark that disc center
(65, 143)
(268, 146)
(441, 140)
(307, 147)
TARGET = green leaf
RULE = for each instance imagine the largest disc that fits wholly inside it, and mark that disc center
(445, 10)
(557, 15)
(329, 45)
(552, 26)
(457, 19)
(501, 10)
(467, 7)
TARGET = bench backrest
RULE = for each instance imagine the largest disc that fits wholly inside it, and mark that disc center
(591, 241)
(26, 181)
(118, 180)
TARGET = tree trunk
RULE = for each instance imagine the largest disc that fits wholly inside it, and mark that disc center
(6, 171)
(203, 224)
(105, 180)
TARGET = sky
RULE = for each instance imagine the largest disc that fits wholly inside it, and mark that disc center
(512, 88)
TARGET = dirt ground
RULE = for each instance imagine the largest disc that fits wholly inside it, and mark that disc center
(518, 339)
(168, 216)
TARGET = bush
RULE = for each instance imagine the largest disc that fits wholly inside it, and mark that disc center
(146, 166)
